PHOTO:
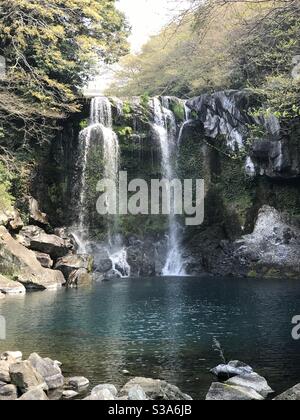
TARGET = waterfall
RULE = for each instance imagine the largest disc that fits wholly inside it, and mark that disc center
(101, 126)
(165, 129)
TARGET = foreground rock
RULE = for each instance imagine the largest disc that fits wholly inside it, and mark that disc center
(24, 377)
(253, 381)
(224, 392)
(77, 383)
(292, 394)
(241, 383)
(49, 370)
(21, 263)
(35, 394)
(10, 287)
(8, 392)
(4, 371)
(155, 389)
(233, 368)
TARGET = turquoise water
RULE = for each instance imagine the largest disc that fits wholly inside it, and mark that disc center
(161, 328)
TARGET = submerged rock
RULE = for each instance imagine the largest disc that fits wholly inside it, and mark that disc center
(292, 394)
(224, 392)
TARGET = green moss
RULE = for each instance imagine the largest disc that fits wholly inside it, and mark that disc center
(6, 198)
(178, 110)
(252, 274)
(127, 109)
(84, 124)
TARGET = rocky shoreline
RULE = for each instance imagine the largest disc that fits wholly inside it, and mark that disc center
(40, 378)
(37, 257)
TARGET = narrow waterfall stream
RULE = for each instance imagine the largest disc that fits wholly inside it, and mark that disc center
(165, 128)
(101, 125)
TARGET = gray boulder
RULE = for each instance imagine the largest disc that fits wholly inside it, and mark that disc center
(224, 392)
(253, 381)
(48, 370)
(12, 356)
(233, 368)
(136, 393)
(103, 394)
(8, 392)
(69, 395)
(77, 383)
(35, 394)
(155, 389)
(112, 389)
(292, 394)
(41, 241)
(4, 371)
(25, 377)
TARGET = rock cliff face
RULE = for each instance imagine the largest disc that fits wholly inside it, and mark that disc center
(251, 168)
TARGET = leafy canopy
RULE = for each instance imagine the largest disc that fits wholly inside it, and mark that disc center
(51, 49)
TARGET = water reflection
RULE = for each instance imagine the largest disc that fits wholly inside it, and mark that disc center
(161, 328)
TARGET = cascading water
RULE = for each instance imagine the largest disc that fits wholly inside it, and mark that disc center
(165, 128)
(101, 125)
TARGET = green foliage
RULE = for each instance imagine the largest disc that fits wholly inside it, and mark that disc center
(179, 111)
(83, 124)
(127, 109)
(222, 45)
(6, 198)
(124, 132)
(52, 47)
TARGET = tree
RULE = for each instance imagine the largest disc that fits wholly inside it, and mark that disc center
(51, 48)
